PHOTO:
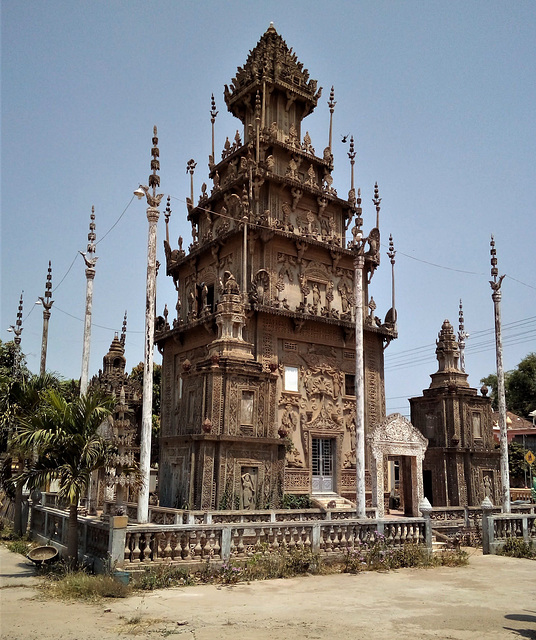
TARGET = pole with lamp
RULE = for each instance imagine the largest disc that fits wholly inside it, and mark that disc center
(47, 306)
(153, 213)
(503, 436)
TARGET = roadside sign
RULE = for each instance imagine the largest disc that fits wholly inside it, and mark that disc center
(529, 457)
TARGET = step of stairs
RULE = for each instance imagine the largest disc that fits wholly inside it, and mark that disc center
(332, 501)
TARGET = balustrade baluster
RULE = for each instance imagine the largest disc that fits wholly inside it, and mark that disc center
(307, 543)
(136, 551)
(168, 551)
(198, 549)
(128, 539)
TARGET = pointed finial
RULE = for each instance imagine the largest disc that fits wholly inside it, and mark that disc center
(167, 215)
(154, 178)
(213, 111)
(331, 102)
(124, 330)
(497, 281)
(461, 336)
(331, 105)
(91, 236)
(190, 168)
(391, 253)
(377, 200)
(45, 300)
(351, 155)
(213, 114)
(17, 327)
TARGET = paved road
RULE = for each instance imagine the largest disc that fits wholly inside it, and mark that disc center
(493, 598)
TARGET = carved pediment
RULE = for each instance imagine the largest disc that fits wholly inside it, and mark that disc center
(395, 429)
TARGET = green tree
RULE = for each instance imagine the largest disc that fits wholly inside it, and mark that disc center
(66, 445)
(137, 374)
(519, 387)
(518, 466)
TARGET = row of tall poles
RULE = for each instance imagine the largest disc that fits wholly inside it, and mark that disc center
(153, 214)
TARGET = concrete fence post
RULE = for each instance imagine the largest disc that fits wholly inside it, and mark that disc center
(117, 541)
(487, 526)
(226, 543)
(315, 542)
(426, 510)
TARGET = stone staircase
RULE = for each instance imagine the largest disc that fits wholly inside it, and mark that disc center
(331, 502)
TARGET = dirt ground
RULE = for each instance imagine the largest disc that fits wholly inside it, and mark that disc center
(492, 598)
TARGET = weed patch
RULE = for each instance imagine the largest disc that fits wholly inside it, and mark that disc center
(62, 583)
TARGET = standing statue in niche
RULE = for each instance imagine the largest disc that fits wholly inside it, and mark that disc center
(488, 491)
(248, 492)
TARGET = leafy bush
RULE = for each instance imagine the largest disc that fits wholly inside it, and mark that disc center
(377, 556)
(518, 548)
(294, 501)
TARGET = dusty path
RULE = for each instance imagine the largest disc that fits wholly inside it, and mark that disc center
(492, 598)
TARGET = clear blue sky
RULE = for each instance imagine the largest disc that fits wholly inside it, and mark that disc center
(440, 97)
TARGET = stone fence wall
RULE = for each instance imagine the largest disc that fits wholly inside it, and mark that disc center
(186, 544)
(496, 529)
(113, 544)
(97, 541)
(167, 515)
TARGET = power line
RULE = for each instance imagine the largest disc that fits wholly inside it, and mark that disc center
(94, 324)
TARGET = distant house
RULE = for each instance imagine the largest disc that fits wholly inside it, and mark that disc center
(518, 430)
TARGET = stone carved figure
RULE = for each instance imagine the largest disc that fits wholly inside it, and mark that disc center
(248, 492)
(488, 490)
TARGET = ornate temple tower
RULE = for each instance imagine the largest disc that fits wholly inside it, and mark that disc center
(461, 464)
(259, 362)
(123, 427)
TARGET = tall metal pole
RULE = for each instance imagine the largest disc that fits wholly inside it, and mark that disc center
(503, 438)
(47, 306)
(153, 213)
(90, 260)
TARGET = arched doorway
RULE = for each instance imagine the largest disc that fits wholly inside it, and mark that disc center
(396, 438)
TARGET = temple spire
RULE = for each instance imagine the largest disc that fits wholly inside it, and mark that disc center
(124, 330)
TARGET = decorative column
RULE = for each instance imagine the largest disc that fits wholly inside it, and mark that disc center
(47, 306)
(90, 261)
(153, 202)
(358, 245)
(503, 437)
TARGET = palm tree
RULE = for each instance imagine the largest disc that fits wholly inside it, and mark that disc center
(20, 397)
(64, 437)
